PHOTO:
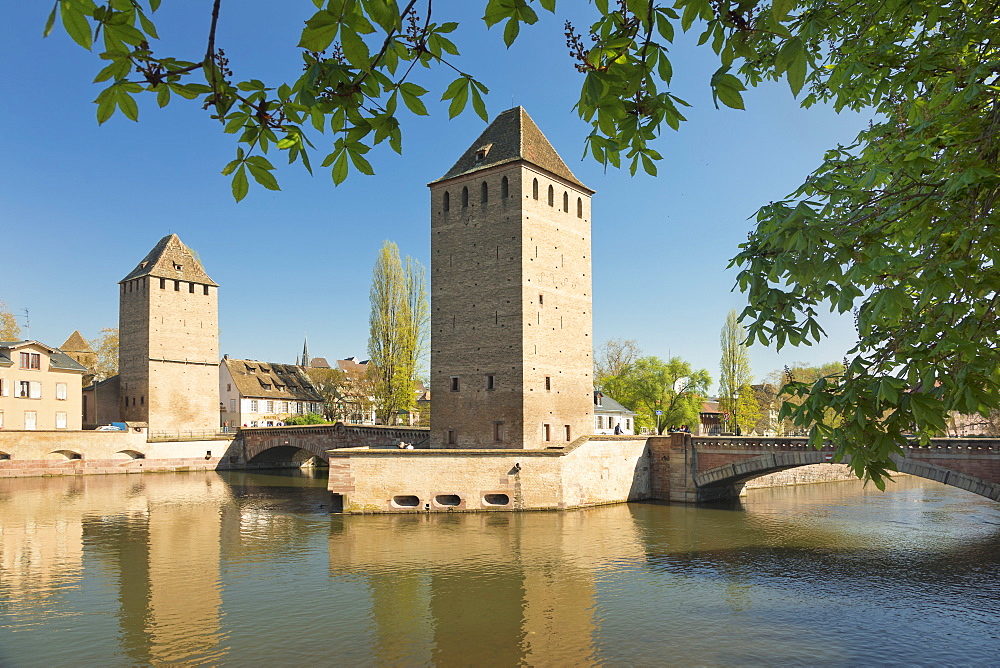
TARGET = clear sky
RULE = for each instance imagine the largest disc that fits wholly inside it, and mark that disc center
(81, 204)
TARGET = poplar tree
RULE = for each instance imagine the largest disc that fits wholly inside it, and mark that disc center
(397, 331)
(735, 393)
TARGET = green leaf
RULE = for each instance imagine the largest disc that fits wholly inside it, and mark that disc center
(340, 168)
(128, 105)
(263, 176)
(320, 31)
(355, 49)
(75, 23)
(479, 105)
(410, 93)
(510, 31)
(781, 8)
(147, 26)
(730, 97)
(797, 73)
(240, 184)
(51, 21)
(361, 163)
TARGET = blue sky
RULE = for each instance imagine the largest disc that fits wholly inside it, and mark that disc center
(81, 204)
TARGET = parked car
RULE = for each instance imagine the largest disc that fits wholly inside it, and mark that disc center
(114, 426)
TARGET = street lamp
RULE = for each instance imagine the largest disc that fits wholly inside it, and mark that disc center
(736, 423)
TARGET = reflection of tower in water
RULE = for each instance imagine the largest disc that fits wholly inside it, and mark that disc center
(163, 551)
(497, 589)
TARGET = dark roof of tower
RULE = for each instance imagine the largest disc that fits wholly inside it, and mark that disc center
(76, 344)
(512, 136)
(170, 258)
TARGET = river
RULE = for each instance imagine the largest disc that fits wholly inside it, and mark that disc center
(251, 569)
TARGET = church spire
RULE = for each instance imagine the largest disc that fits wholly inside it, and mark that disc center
(305, 351)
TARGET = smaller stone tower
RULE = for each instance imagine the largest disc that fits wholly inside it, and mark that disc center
(77, 347)
(169, 342)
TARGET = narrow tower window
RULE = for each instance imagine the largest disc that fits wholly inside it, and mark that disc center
(465, 197)
(534, 188)
(454, 383)
(484, 193)
(565, 202)
(552, 196)
(447, 201)
(579, 207)
(546, 433)
(548, 383)
(504, 188)
(567, 434)
(490, 382)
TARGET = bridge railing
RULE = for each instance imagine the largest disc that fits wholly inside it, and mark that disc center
(801, 443)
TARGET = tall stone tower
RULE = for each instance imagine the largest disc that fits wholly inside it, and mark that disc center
(168, 360)
(511, 348)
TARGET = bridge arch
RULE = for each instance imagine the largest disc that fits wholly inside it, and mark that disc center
(727, 480)
(264, 447)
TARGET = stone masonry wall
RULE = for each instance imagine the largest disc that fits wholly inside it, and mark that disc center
(41, 453)
(589, 472)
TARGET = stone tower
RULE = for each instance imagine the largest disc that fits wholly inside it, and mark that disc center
(77, 347)
(511, 348)
(168, 360)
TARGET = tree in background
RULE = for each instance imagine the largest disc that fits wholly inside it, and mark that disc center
(793, 382)
(332, 386)
(398, 331)
(650, 384)
(106, 348)
(736, 397)
(613, 357)
(9, 329)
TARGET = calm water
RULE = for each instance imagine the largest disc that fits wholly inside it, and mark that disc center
(248, 569)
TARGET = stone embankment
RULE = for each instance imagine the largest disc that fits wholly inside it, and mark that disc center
(48, 453)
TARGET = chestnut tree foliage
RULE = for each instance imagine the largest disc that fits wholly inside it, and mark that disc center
(899, 227)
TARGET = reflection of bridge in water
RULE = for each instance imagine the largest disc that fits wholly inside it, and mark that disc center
(707, 469)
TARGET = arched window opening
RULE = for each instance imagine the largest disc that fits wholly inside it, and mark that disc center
(484, 194)
(579, 207)
(504, 188)
(534, 188)
(447, 201)
(552, 196)
(465, 197)
(565, 202)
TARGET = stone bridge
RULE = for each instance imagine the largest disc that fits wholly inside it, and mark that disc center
(267, 447)
(695, 469)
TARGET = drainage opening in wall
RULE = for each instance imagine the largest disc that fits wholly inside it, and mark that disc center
(447, 499)
(336, 503)
(405, 501)
(496, 500)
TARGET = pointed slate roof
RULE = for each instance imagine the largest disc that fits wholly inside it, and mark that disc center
(170, 258)
(76, 344)
(512, 136)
